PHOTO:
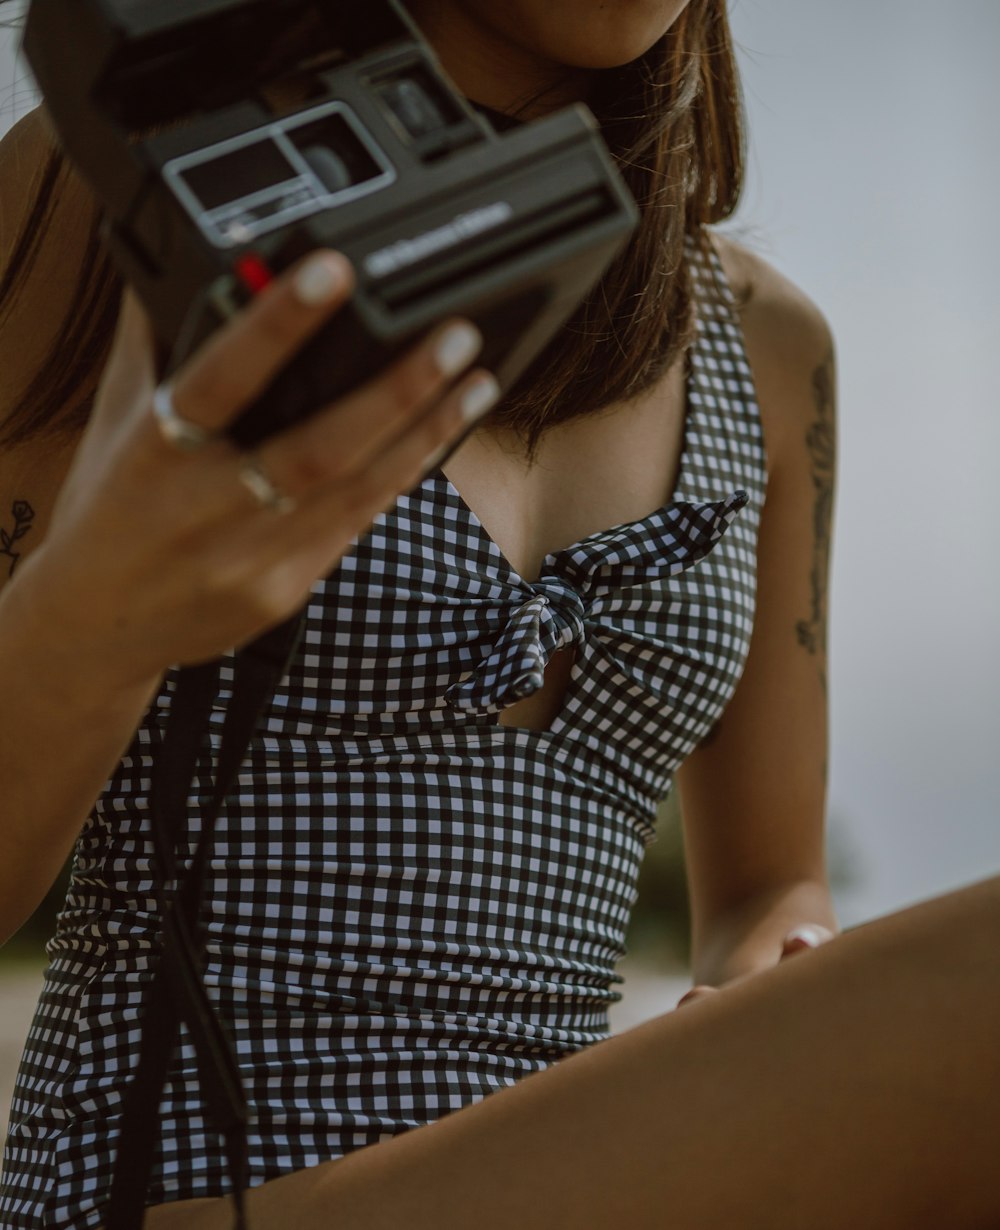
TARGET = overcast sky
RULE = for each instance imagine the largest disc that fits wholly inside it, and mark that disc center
(874, 183)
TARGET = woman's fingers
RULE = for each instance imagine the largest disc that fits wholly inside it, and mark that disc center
(240, 360)
(204, 550)
(808, 935)
(338, 444)
(801, 938)
(264, 565)
(337, 512)
(336, 450)
(339, 441)
(331, 447)
(696, 993)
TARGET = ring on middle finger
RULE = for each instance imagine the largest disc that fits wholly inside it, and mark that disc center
(255, 478)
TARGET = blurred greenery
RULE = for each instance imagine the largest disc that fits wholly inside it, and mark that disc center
(660, 929)
(28, 945)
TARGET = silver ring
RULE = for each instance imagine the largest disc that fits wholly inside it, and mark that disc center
(178, 432)
(258, 482)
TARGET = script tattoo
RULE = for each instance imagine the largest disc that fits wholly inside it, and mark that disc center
(23, 515)
(821, 442)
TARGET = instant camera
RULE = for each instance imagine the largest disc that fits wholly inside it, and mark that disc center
(210, 189)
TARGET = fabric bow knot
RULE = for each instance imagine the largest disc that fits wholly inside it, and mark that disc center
(552, 613)
(550, 619)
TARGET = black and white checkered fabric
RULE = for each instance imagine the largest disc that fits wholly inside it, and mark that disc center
(411, 905)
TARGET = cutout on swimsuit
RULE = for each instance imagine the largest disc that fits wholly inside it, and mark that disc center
(538, 711)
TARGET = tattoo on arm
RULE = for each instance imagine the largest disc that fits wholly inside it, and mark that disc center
(23, 515)
(821, 442)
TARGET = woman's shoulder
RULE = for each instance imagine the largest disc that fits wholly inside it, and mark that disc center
(768, 301)
(789, 342)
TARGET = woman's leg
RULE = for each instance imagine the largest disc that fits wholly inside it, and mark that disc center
(856, 1086)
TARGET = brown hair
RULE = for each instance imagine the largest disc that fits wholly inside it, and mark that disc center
(673, 121)
(59, 396)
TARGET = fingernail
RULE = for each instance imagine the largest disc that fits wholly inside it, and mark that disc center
(807, 935)
(320, 279)
(457, 347)
(478, 398)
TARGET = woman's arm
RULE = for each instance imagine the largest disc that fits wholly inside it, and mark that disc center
(138, 555)
(64, 720)
(753, 796)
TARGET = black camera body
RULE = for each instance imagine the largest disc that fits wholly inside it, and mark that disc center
(210, 189)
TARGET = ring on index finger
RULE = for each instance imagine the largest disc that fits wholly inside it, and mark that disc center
(178, 432)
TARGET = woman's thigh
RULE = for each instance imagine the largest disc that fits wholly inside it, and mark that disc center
(858, 1085)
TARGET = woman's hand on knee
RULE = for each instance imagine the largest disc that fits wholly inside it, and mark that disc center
(799, 939)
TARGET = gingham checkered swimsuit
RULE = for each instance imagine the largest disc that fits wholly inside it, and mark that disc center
(412, 905)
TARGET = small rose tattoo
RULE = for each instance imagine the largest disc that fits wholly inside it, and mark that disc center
(23, 515)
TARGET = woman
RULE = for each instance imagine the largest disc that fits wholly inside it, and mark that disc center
(421, 886)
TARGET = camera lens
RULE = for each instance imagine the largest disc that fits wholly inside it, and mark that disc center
(330, 170)
(335, 152)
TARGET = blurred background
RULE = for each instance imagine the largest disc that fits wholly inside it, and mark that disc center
(874, 181)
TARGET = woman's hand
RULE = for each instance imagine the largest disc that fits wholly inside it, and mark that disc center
(799, 939)
(157, 556)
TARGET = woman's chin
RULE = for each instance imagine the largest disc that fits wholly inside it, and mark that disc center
(576, 34)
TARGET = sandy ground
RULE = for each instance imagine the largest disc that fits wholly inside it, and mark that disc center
(647, 992)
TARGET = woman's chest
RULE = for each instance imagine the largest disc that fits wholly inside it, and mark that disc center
(588, 475)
